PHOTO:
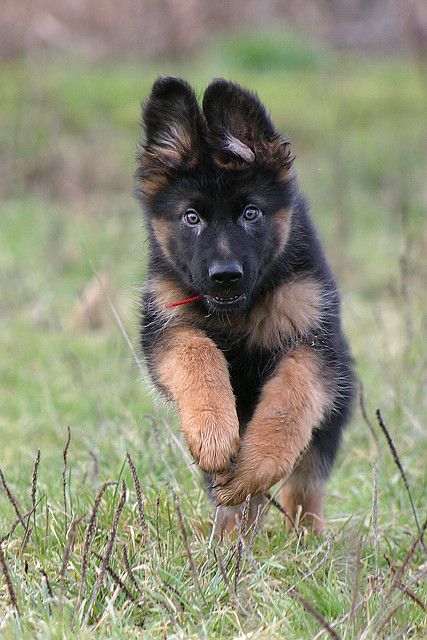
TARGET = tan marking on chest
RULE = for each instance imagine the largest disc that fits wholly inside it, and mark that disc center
(290, 310)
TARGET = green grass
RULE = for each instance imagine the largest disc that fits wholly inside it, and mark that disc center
(68, 134)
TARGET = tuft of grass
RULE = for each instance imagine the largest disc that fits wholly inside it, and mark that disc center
(90, 534)
(109, 548)
(106, 581)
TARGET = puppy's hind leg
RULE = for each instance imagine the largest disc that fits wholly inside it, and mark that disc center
(303, 502)
(227, 518)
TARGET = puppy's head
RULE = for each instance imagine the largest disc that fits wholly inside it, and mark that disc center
(217, 188)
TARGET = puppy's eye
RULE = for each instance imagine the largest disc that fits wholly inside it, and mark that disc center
(251, 213)
(191, 217)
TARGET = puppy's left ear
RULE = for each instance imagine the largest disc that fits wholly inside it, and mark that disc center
(172, 123)
(240, 130)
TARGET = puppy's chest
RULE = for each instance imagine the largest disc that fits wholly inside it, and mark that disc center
(249, 369)
(284, 316)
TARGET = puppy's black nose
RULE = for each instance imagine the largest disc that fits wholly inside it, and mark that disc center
(225, 272)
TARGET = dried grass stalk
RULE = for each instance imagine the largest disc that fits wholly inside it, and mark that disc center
(413, 596)
(220, 562)
(70, 545)
(48, 587)
(279, 507)
(34, 484)
(246, 549)
(238, 565)
(9, 583)
(90, 533)
(26, 537)
(386, 620)
(356, 579)
(375, 517)
(12, 500)
(11, 531)
(64, 476)
(245, 514)
(397, 580)
(313, 612)
(118, 581)
(142, 520)
(241, 527)
(108, 550)
(18, 521)
(255, 528)
(399, 466)
(175, 591)
(186, 543)
(406, 589)
(230, 587)
(129, 570)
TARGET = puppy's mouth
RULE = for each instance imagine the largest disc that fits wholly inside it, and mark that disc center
(226, 301)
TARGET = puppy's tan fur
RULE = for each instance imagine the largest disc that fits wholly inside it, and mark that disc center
(292, 402)
(194, 373)
(295, 494)
(282, 221)
(289, 311)
(162, 232)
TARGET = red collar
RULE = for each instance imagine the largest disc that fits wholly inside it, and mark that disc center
(180, 302)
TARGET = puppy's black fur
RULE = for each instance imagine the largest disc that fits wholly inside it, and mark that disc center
(227, 223)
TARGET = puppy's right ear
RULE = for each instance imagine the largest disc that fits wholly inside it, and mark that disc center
(241, 132)
(172, 123)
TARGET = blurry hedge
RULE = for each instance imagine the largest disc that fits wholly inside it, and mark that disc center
(175, 27)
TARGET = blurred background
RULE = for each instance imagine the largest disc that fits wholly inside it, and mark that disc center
(103, 28)
(346, 80)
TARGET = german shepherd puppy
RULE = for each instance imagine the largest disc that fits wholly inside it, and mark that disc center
(241, 315)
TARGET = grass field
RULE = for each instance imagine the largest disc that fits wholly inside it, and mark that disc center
(68, 131)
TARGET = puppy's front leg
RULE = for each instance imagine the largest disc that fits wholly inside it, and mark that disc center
(194, 374)
(292, 403)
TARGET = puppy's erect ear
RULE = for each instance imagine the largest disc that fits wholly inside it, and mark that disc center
(240, 130)
(172, 123)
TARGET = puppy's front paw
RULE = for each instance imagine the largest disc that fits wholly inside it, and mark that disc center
(244, 478)
(213, 438)
(232, 489)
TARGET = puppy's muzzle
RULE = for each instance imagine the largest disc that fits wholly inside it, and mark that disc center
(225, 273)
